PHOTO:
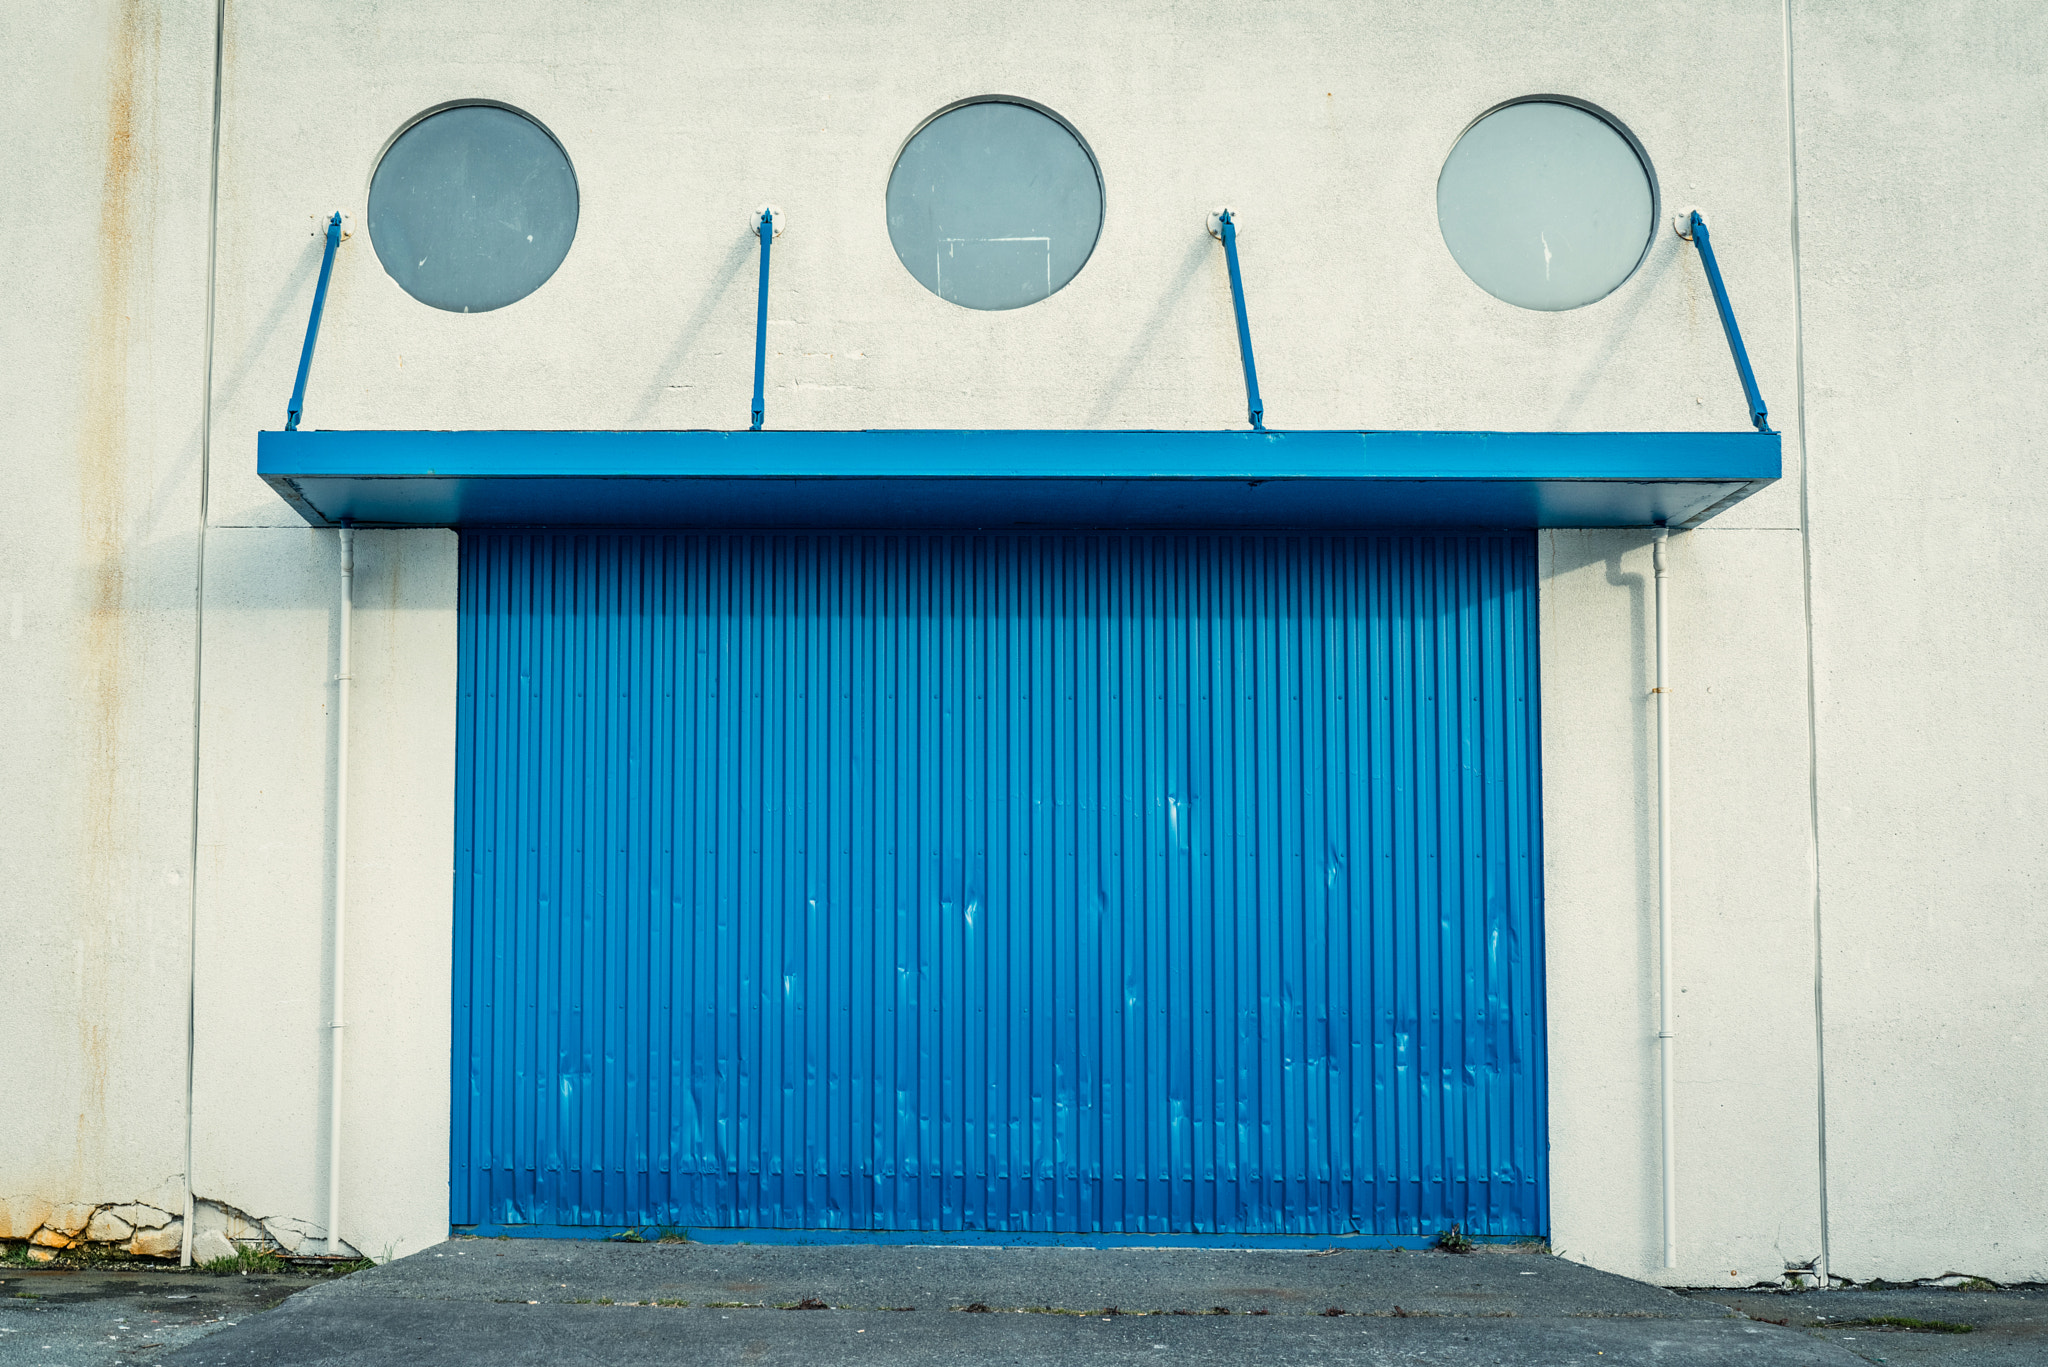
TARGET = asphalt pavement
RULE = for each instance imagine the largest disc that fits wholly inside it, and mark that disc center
(539, 1301)
(136, 1313)
(1914, 1327)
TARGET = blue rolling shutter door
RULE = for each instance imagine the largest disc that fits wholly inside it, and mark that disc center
(1079, 882)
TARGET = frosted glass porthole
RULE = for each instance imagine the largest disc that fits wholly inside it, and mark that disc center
(1547, 204)
(472, 208)
(994, 204)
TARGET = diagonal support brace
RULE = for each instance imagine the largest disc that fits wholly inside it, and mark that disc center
(334, 235)
(1225, 227)
(767, 227)
(1694, 229)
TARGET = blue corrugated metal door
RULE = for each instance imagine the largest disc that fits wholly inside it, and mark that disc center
(1086, 882)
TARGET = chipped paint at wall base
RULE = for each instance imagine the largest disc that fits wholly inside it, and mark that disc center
(42, 1230)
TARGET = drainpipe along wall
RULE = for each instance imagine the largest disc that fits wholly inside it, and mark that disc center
(1660, 540)
(337, 981)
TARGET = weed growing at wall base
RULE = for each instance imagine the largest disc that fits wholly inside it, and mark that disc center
(246, 1260)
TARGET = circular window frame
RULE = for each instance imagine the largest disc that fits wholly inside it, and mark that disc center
(477, 102)
(1626, 134)
(1094, 164)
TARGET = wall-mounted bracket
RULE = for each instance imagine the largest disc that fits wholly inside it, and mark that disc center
(1691, 224)
(335, 230)
(319, 224)
(768, 225)
(1223, 227)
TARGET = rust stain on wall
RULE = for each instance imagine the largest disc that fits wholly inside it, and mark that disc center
(104, 437)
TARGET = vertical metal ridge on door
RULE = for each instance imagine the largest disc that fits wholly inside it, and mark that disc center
(1077, 882)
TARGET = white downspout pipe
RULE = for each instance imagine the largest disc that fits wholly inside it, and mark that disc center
(1660, 537)
(336, 981)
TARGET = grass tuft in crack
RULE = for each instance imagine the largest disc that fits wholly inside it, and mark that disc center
(245, 1260)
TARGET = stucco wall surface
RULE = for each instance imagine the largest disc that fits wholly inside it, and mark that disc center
(1921, 132)
(267, 825)
(1746, 1111)
(103, 217)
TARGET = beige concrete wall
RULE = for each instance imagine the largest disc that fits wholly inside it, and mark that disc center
(1927, 384)
(267, 822)
(1325, 125)
(1743, 953)
(103, 213)
(103, 346)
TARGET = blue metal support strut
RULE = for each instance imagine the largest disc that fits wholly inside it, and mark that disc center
(766, 230)
(1228, 231)
(298, 405)
(1697, 230)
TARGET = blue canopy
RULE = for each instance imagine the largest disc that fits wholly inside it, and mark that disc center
(1015, 479)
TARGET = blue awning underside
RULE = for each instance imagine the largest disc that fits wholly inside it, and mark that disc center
(1015, 479)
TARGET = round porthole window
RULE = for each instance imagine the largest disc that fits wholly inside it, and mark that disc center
(994, 204)
(472, 208)
(1547, 204)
